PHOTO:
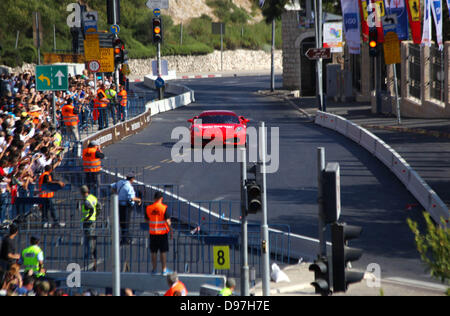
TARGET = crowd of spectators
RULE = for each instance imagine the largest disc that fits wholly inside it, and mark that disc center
(28, 140)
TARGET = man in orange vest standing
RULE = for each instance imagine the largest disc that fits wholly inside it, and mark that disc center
(101, 104)
(177, 288)
(92, 156)
(45, 192)
(70, 120)
(159, 228)
(123, 99)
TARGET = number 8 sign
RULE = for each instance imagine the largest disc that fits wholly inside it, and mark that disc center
(221, 257)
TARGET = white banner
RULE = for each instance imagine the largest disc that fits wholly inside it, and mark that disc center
(332, 37)
(436, 6)
(426, 35)
(350, 11)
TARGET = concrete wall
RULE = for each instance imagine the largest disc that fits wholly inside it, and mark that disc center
(291, 54)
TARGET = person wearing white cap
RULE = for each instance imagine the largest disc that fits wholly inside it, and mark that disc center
(127, 201)
(92, 156)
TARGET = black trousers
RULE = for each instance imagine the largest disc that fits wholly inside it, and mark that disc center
(92, 181)
(124, 220)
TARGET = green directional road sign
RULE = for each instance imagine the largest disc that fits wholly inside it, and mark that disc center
(52, 78)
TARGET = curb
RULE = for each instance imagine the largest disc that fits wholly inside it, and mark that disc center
(424, 194)
(418, 131)
(285, 97)
(199, 76)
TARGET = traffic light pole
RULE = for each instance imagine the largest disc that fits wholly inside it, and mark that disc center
(116, 70)
(320, 198)
(159, 69)
(265, 250)
(272, 66)
(245, 276)
(319, 44)
(397, 100)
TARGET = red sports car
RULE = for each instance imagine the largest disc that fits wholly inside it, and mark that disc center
(223, 127)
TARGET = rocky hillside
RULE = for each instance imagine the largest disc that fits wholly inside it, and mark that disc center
(187, 27)
(182, 11)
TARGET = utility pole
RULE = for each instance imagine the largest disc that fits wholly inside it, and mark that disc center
(319, 44)
(54, 38)
(245, 276)
(265, 250)
(116, 72)
(115, 246)
(272, 66)
(320, 198)
(221, 46)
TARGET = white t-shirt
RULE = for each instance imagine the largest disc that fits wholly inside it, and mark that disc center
(40, 163)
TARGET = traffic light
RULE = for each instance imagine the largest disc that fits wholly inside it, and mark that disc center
(118, 51)
(157, 30)
(125, 56)
(373, 42)
(254, 202)
(110, 11)
(321, 276)
(340, 234)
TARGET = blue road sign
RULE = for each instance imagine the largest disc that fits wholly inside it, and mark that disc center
(157, 12)
(115, 29)
(159, 83)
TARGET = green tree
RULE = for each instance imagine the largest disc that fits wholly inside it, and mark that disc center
(434, 247)
(273, 9)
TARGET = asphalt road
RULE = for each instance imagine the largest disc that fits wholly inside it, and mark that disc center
(372, 197)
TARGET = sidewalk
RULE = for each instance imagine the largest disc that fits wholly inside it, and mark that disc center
(423, 143)
(301, 279)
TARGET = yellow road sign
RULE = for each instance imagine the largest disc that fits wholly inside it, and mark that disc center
(92, 47)
(392, 54)
(53, 58)
(221, 257)
(106, 60)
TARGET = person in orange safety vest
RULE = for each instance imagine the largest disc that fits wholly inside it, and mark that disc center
(159, 228)
(123, 99)
(177, 288)
(92, 156)
(70, 120)
(46, 193)
(100, 105)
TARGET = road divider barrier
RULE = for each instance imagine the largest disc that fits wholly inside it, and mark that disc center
(184, 96)
(424, 194)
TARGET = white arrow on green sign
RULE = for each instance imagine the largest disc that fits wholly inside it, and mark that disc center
(52, 78)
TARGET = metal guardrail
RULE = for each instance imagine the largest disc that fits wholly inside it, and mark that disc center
(196, 231)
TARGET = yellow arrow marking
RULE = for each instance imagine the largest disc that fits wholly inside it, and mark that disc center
(42, 78)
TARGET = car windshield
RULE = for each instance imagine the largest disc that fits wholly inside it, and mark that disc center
(217, 119)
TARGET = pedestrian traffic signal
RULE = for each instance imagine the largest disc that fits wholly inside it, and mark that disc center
(373, 42)
(254, 202)
(157, 30)
(119, 47)
(340, 234)
(321, 276)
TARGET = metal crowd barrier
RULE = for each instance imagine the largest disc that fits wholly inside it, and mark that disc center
(189, 252)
